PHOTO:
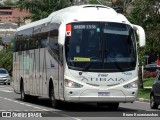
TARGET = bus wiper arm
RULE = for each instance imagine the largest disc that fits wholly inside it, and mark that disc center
(91, 61)
(114, 59)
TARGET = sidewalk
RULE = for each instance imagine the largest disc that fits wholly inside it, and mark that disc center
(142, 100)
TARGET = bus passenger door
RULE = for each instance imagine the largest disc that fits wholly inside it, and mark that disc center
(61, 73)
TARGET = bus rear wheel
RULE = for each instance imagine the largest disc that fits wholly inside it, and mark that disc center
(153, 104)
(24, 97)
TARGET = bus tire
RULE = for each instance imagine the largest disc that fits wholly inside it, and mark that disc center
(55, 103)
(153, 104)
(24, 97)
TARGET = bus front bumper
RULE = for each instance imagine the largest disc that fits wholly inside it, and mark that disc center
(100, 96)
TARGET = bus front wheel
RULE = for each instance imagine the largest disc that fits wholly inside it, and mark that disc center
(55, 103)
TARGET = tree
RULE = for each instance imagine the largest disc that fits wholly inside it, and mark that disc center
(6, 58)
(104, 2)
(119, 5)
(9, 3)
(42, 8)
(146, 13)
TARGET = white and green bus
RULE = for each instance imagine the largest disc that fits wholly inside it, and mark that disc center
(85, 53)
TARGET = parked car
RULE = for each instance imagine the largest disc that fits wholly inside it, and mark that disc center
(4, 76)
(151, 67)
(155, 93)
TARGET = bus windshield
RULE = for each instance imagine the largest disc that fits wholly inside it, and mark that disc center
(100, 46)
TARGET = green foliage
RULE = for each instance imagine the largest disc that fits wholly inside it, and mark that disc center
(146, 13)
(6, 58)
(1, 41)
(104, 2)
(144, 93)
(42, 8)
(9, 3)
(93, 1)
(148, 82)
(1, 5)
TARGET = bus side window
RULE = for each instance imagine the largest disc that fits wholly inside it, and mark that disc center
(20, 47)
(53, 39)
(43, 41)
(32, 44)
(39, 45)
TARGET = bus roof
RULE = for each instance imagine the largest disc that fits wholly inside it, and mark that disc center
(81, 13)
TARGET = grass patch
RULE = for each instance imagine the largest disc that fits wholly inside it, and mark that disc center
(147, 82)
(144, 93)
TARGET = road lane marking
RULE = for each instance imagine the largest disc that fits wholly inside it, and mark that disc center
(6, 90)
(38, 108)
(68, 116)
(24, 104)
(142, 102)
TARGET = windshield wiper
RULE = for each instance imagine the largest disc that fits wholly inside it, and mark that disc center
(96, 56)
(91, 60)
(114, 59)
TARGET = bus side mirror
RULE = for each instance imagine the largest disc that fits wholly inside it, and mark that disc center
(141, 35)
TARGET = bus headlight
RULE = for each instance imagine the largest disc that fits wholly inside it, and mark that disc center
(133, 84)
(69, 83)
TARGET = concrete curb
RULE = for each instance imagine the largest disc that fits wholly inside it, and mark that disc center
(143, 100)
(148, 87)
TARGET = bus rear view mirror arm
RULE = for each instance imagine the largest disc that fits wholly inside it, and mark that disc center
(141, 35)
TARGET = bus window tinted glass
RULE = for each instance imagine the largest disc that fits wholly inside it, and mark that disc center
(100, 46)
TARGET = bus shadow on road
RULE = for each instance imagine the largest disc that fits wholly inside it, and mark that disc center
(78, 107)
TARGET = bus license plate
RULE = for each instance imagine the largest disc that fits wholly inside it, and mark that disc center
(103, 93)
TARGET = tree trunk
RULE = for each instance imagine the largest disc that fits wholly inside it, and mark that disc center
(140, 76)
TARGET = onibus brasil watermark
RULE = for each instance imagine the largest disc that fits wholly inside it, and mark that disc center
(21, 114)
